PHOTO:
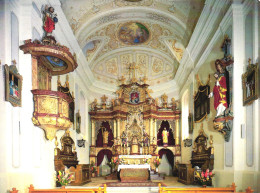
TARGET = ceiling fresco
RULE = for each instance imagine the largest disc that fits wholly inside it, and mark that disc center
(115, 33)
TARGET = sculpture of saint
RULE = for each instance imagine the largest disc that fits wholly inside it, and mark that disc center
(105, 136)
(220, 90)
(49, 20)
(165, 135)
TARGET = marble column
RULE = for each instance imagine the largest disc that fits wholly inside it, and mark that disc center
(115, 129)
(93, 133)
(177, 132)
(118, 127)
(151, 127)
(154, 129)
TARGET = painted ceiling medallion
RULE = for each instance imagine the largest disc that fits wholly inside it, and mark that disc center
(133, 33)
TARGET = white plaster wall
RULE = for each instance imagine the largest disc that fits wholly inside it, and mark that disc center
(27, 157)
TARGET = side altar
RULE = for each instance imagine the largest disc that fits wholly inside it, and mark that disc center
(134, 123)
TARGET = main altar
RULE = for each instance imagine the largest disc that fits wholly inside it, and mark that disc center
(134, 124)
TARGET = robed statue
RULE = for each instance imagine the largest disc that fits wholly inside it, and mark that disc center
(105, 136)
(165, 135)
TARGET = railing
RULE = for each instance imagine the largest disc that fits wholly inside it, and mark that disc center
(201, 190)
(65, 190)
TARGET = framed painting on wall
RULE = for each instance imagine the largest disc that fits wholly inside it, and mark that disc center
(13, 85)
(250, 82)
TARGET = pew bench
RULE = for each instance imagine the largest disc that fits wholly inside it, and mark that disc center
(202, 190)
(63, 189)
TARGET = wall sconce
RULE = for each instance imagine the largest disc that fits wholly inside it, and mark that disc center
(81, 142)
(187, 142)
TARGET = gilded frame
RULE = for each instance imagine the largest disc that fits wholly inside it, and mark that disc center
(13, 85)
(250, 84)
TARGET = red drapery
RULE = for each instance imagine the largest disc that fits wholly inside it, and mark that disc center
(169, 155)
(99, 141)
(171, 141)
(101, 154)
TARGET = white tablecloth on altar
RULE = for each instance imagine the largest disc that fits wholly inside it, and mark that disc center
(135, 156)
(134, 166)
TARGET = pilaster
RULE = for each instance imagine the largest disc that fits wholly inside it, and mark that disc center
(238, 109)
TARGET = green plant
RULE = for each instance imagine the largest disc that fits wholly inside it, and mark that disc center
(64, 178)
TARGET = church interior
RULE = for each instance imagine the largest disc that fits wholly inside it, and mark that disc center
(129, 96)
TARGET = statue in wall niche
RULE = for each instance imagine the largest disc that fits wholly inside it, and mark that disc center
(165, 135)
(49, 20)
(105, 136)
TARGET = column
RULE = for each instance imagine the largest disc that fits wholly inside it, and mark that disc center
(177, 131)
(93, 132)
(154, 129)
(114, 124)
(151, 127)
(118, 128)
(238, 109)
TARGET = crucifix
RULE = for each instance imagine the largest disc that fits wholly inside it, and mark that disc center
(132, 67)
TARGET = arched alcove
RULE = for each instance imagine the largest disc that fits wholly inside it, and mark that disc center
(166, 166)
(171, 140)
(99, 141)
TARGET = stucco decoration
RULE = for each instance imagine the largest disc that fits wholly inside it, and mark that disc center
(152, 26)
(156, 68)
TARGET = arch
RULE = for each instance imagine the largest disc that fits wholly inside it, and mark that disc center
(169, 154)
(99, 141)
(171, 140)
(101, 154)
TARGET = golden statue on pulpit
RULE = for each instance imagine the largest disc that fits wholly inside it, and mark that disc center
(105, 136)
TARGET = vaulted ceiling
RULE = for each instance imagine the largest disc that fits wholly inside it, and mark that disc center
(151, 33)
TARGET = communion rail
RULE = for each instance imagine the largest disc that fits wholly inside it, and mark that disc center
(65, 190)
(202, 190)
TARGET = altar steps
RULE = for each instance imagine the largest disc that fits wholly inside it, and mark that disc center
(156, 176)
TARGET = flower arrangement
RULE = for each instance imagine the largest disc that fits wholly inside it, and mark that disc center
(113, 163)
(93, 167)
(204, 178)
(64, 178)
(146, 160)
(156, 162)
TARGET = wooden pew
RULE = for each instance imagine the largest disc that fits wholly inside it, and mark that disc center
(202, 190)
(65, 190)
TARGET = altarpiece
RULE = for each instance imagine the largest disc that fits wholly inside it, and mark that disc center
(135, 123)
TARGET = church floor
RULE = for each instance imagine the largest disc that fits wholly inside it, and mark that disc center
(98, 181)
(168, 181)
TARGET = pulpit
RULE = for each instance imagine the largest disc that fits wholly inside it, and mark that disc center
(68, 157)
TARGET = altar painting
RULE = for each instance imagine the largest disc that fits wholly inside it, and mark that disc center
(134, 98)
